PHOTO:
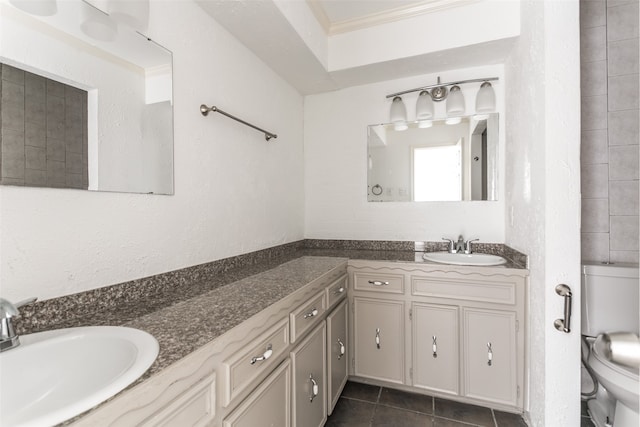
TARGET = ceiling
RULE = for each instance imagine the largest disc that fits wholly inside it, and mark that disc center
(300, 39)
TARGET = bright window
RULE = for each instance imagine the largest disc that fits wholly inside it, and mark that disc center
(437, 173)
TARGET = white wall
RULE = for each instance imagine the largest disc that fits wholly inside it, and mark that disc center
(543, 197)
(336, 169)
(234, 192)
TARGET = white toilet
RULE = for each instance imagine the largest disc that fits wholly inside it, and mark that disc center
(610, 301)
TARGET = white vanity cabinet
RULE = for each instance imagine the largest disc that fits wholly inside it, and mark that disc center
(435, 346)
(309, 380)
(337, 357)
(456, 332)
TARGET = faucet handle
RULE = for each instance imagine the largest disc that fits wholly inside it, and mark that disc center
(452, 247)
(467, 246)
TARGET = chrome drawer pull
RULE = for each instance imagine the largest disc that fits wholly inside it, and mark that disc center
(434, 347)
(314, 388)
(267, 354)
(339, 290)
(312, 313)
(378, 338)
(342, 349)
(489, 354)
(378, 283)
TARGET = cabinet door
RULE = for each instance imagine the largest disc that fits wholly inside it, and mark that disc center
(379, 339)
(268, 405)
(309, 377)
(436, 360)
(490, 355)
(337, 356)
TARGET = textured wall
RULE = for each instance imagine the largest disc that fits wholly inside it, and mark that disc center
(234, 192)
(609, 87)
(44, 131)
(543, 197)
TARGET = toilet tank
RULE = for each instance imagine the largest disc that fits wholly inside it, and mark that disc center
(610, 299)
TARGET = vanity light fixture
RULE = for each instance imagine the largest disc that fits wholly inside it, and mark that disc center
(97, 24)
(486, 99)
(37, 7)
(455, 103)
(398, 114)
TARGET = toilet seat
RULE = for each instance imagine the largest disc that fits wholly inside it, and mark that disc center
(621, 381)
(598, 350)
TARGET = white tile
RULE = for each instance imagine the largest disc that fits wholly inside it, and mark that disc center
(595, 216)
(595, 181)
(624, 256)
(623, 197)
(623, 127)
(623, 92)
(594, 147)
(623, 57)
(593, 78)
(622, 21)
(593, 13)
(623, 162)
(595, 247)
(593, 44)
(594, 112)
(624, 234)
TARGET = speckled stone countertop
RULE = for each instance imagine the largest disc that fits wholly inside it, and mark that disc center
(188, 325)
(186, 309)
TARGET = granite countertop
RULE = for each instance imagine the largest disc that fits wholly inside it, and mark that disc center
(190, 324)
(185, 310)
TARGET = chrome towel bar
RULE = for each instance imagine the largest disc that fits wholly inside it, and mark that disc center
(205, 110)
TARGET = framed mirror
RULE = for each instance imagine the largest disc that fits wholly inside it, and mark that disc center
(439, 160)
(80, 108)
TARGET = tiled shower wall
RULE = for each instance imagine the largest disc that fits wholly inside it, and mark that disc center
(610, 115)
(43, 126)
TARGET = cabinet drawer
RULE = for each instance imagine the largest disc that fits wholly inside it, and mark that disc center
(196, 407)
(337, 291)
(378, 282)
(240, 370)
(470, 289)
(307, 315)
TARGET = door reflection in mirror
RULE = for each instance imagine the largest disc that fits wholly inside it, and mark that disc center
(456, 162)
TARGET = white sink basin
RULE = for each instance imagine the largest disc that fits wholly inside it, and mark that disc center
(55, 375)
(464, 259)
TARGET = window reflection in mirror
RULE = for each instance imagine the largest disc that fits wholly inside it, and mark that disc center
(126, 122)
(442, 162)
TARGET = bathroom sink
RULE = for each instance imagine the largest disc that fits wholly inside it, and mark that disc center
(55, 375)
(464, 259)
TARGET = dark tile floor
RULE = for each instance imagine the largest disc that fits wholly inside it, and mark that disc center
(363, 405)
(585, 419)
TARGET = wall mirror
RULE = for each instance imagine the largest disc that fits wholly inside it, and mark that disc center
(434, 160)
(86, 99)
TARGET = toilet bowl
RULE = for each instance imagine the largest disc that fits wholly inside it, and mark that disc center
(610, 304)
(621, 382)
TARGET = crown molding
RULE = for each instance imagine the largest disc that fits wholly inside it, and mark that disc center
(391, 15)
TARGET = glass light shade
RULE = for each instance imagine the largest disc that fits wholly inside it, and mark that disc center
(424, 106)
(398, 112)
(134, 13)
(486, 99)
(423, 124)
(453, 120)
(37, 7)
(97, 24)
(455, 102)
(400, 126)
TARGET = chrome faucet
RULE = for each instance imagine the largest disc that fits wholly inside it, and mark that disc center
(8, 337)
(460, 244)
(452, 246)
